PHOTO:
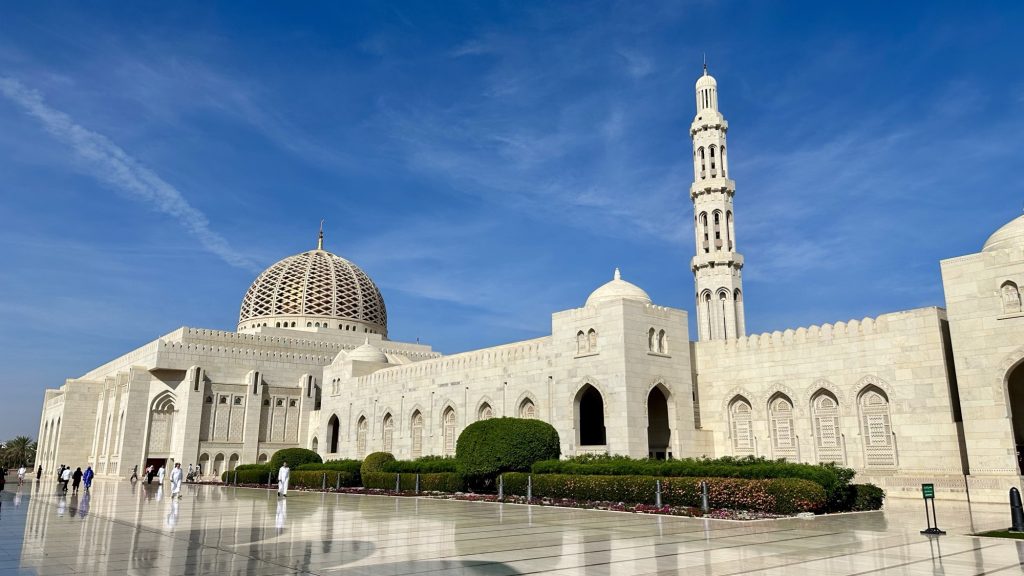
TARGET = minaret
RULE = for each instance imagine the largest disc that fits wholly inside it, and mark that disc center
(717, 266)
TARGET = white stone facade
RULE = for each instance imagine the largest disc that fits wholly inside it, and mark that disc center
(924, 395)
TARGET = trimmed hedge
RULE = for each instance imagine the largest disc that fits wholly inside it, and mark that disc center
(424, 465)
(489, 447)
(864, 497)
(431, 482)
(250, 474)
(295, 457)
(772, 495)
(348, 466)
(314, 479)
(375, 462)
(832, 478)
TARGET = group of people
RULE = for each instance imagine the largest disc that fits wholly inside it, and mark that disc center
(151, 472)
(76, 478)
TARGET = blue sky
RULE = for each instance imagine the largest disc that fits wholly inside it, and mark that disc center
(486, 163)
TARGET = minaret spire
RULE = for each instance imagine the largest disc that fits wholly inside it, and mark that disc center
(717, 266)
(320, 238)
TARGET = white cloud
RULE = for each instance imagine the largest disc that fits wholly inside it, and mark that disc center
(110, 164)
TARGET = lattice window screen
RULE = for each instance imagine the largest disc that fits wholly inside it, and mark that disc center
(449, 432)
(783, 438)
(826, 429)
(486, 412)
(527, 410)
(361, 432)
(879, 448)
(742, 427)
(417, 435)
(389, 432)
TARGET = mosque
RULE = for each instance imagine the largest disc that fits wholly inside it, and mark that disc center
(926, 395)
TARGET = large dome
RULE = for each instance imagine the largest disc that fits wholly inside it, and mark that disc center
(315, 289)
(1010, 235)
(617, 289)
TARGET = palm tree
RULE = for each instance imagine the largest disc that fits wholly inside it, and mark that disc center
(19, 451)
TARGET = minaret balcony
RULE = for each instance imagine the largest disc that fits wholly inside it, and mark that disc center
(708, 121)
(712, 185)
(717, 258)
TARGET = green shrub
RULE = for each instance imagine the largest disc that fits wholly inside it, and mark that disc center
(250, 474)
(314, 479)
(424, 465)
(489, 447)
(435, 482)
(832, 478)
(864, 497)
(773, 495)
(375, 462)
(347, 466)
(295, 457)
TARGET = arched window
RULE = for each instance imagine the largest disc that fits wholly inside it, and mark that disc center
(590, 417)
(662, 342)
(416, 429)
(1011, 297)
(485, 412)
(728, 230)
(527, 409)
(714, 169)
(592, 340)
(718, 230)
(876, 429)
(703, 165)
(725, 165)
(825, 420)
(658, 431)
(448, 419)
(362, 428)
(707, 327)
(780, 417)
(737, 302)
(263, 457)
(309, 324)
(232, 462)
(650, 340)
(723, 310)
(389, 432)
(333, 426)
(704, 232)
(581, 342)
(741, 422)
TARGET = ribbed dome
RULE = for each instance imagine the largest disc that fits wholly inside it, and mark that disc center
(617, 289)
(706, 80)
(368, 353)
(1010, 235)
(302, 290)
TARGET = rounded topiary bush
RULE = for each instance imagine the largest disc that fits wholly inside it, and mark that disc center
(375, 462)
(295, 457)
(489, 447)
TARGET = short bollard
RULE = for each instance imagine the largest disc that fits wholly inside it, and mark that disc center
(417, 483)
(269, 475)
(337, 482)
(398, 485)
(501, 488)
(323, 483)
(657, 493)
(1016, 511)
(705, 506)
(529, 488)
(235, 481)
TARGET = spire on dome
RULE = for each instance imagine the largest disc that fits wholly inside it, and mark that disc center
(705, 63)
(320, 238)
(617, 275)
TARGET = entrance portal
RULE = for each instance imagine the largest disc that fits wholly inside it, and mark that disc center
(590, 416)
(657, 425)
(1015, 388)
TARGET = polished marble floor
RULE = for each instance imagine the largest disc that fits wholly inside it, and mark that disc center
(124, 529)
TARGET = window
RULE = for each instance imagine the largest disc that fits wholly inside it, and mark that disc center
(780, 415)
(527, 409)
(650, 340)
(825, 423)
(1011, 297)
(309, 324)
(485, 412)
(592, 341)
(223, 399)
(292, 403)
(740, 416)
(416, 428)
(238, 400)
(209, 399)
(362, 427)
(581, 342)
(448, 421)
(879, 444)
(389, 432)
(266, 402)
(279, 403)
(662, 342)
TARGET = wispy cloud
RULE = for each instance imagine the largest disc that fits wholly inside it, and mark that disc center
(110, 164)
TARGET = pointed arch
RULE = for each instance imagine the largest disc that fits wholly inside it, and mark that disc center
(448, 427)
(362, 434)
(651, 340)
(741, 425)
(591, 340)
(828, 441)
(589, 410)
(781, 427)
(1010, 295)
(388, 432)
(876, 428)
(333, 432)
(581, 343)
(659, 432)
(416, 432)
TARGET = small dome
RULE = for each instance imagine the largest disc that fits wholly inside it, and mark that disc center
(617, 289)
(706, 80)
(368, 353)
(1009, 236)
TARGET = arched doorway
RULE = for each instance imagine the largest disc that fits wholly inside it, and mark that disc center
(590, 417)
(1015, 389)
(658, 432)
(332, 433)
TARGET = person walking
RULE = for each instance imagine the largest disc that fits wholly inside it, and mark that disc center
(39, 472)
(160, 474)
(176, 481)
(21, 476)
(150, 472)
(190, 477)
(65, 477)
(76, 479)
(135, 474)
(3, 481)
(283, 475)
(87, 478)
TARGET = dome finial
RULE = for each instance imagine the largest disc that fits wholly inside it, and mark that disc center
(617, 275)
(320, 238)
(705, 63)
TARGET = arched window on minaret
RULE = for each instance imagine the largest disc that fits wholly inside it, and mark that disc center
(714, 170)
(728, 230)
(737, 302)
(703, 166)
(725, 165)
(723, 299)
(718, 230)
(706, 297)
(704, 232)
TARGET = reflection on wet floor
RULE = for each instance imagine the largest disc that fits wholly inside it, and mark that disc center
(120, 528)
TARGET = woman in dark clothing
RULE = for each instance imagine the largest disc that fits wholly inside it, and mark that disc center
(76, 479)
(39, 473)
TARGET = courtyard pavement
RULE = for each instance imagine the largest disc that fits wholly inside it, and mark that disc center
(124, 529)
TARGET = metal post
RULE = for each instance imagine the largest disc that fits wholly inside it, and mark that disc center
(657, 493)
(398, 487)
(236, 478)
(417, 483)
(1016, 511)
(269, 476)
(529, 488)
(337, 481)
(705, 506)
(323, 482)
(501, 488)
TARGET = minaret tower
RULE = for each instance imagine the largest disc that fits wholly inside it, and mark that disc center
(717, 276)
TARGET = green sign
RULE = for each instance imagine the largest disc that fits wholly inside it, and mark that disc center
(928, 490)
